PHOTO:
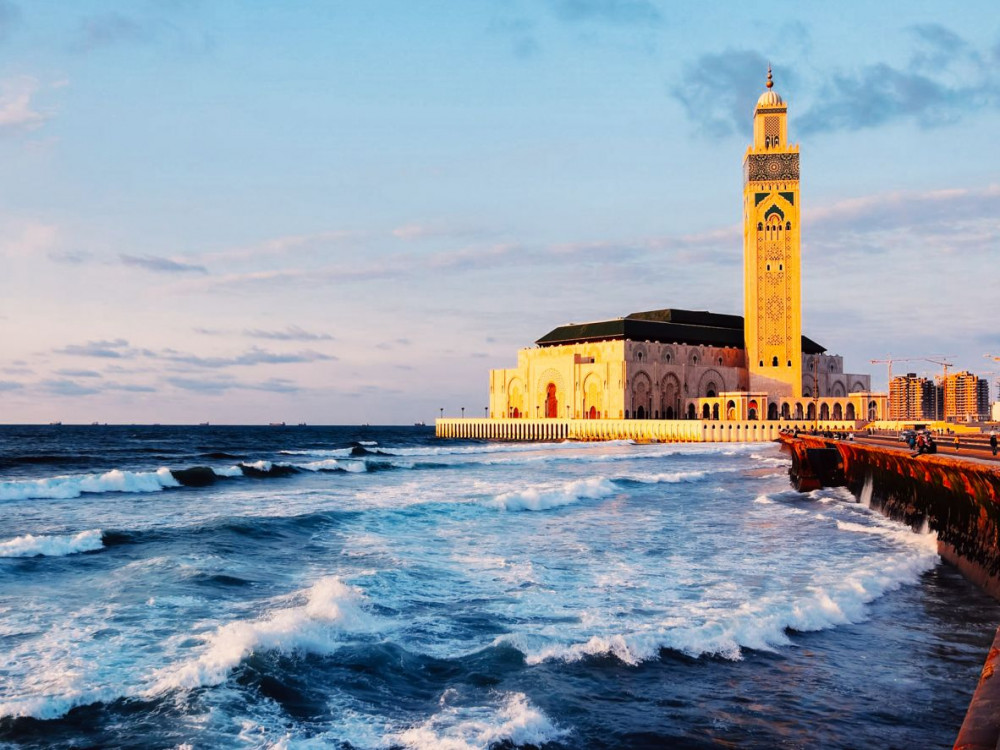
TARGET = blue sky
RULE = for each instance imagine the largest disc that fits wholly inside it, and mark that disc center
(343, 212)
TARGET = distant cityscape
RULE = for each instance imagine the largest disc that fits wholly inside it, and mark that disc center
(955, 397)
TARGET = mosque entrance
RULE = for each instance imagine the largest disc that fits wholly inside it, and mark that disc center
(551, 404)
(640, 413)
(593, 413)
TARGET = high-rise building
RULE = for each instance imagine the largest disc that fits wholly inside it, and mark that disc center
(966, 397)
(913, 398)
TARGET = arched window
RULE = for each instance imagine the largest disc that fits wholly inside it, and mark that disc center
(720, 360)
(788, 225)
(639, 356)
(774, 361)
(706, 412)
(715, 412)
(772, 411)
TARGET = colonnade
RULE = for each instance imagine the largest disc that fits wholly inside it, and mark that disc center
(646, 430)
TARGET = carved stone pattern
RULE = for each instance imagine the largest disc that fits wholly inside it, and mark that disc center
(772, 167)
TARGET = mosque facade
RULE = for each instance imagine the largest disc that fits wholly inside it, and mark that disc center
(674, 364)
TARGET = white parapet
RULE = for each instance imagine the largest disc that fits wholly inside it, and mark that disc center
(642, 430)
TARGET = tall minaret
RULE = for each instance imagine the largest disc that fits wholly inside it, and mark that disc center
(772, 270)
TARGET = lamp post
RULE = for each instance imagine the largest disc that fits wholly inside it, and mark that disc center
(536, 411)
(463, 412)
(486, 412)
(442, 412)
(567, 411)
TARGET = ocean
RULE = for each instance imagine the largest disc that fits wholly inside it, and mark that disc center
(374, 587)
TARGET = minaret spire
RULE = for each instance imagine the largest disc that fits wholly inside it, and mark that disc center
(770, 83)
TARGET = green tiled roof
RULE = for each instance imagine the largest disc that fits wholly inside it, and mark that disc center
(668, 326)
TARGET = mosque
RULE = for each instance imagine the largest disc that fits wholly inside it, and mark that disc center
(675, 364)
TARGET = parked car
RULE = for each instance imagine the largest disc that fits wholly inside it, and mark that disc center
(905, 435)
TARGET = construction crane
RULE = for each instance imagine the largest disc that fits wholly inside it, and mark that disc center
(890, 360)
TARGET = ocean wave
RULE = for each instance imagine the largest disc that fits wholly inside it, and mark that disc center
(669, 477)
(762, 624)
(549, 496)
(52, 546)
(67, 487)
(331, 608)
(514, 720)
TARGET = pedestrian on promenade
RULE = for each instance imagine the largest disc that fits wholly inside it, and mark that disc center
(956, 443)
(993, 442)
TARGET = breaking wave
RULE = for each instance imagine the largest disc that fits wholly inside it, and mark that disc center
(554, 496)
(67, 487)
(330, 609)
(52, 546)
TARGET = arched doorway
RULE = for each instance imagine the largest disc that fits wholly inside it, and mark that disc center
(772, 411)
(706, 412)
(824, 412)
(798, 411)
(715, 412)
(872, 411)
(785, 411)
(731, 411)
(515, 413)
(850, 412)
(640, 413)
(551, 404)
(811, 412)
(691, 411)
(593, 413)
(838, 412)
(752, 409)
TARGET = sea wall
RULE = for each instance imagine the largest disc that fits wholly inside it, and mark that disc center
(644, 430)
(957, 498)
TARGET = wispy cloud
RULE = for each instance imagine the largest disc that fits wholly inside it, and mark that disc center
(10, 385)
(290, 333)
(108, 29)
(67, 373)
(18, 111)
(254, 356)
(161, 265)
(66, 388)
(26, 239)
(624, 12)
(223, 384)
(116, 349)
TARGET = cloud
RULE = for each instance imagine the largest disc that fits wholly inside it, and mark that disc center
(108, 29)
(116, 349)
(618, 12)
(67, 388)
(17, 108)
(70, 257)
(944, 80)
(254, 356)
(79, 373)
(291, 333)
(10, 385)
(718, 91)
(164, 265)
(27, 239)
(221, 385)
(10, 16)
(395, 343)
(129, 388)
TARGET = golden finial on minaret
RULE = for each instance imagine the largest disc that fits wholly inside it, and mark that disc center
(770, 83)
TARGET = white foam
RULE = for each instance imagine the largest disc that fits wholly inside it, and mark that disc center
(52, 546)
(759, 623)
(331, 608)
(70, 486)
(228, 471)
(670, 477)
(264, 466)
(553, 496)
(317, 453)
(514, 720)
(334, 464)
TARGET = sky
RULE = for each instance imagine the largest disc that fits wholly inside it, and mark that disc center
(348, 212)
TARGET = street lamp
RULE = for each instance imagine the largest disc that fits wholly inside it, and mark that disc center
(442, 412)
(536, 411)
(567, 411)
(486, 412)
(463, 412)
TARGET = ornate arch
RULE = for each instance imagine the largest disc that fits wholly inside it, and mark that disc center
(515, 397)
(593, 396)
(546, 397)
(837, 390)
(709, 377)
(670, 396)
